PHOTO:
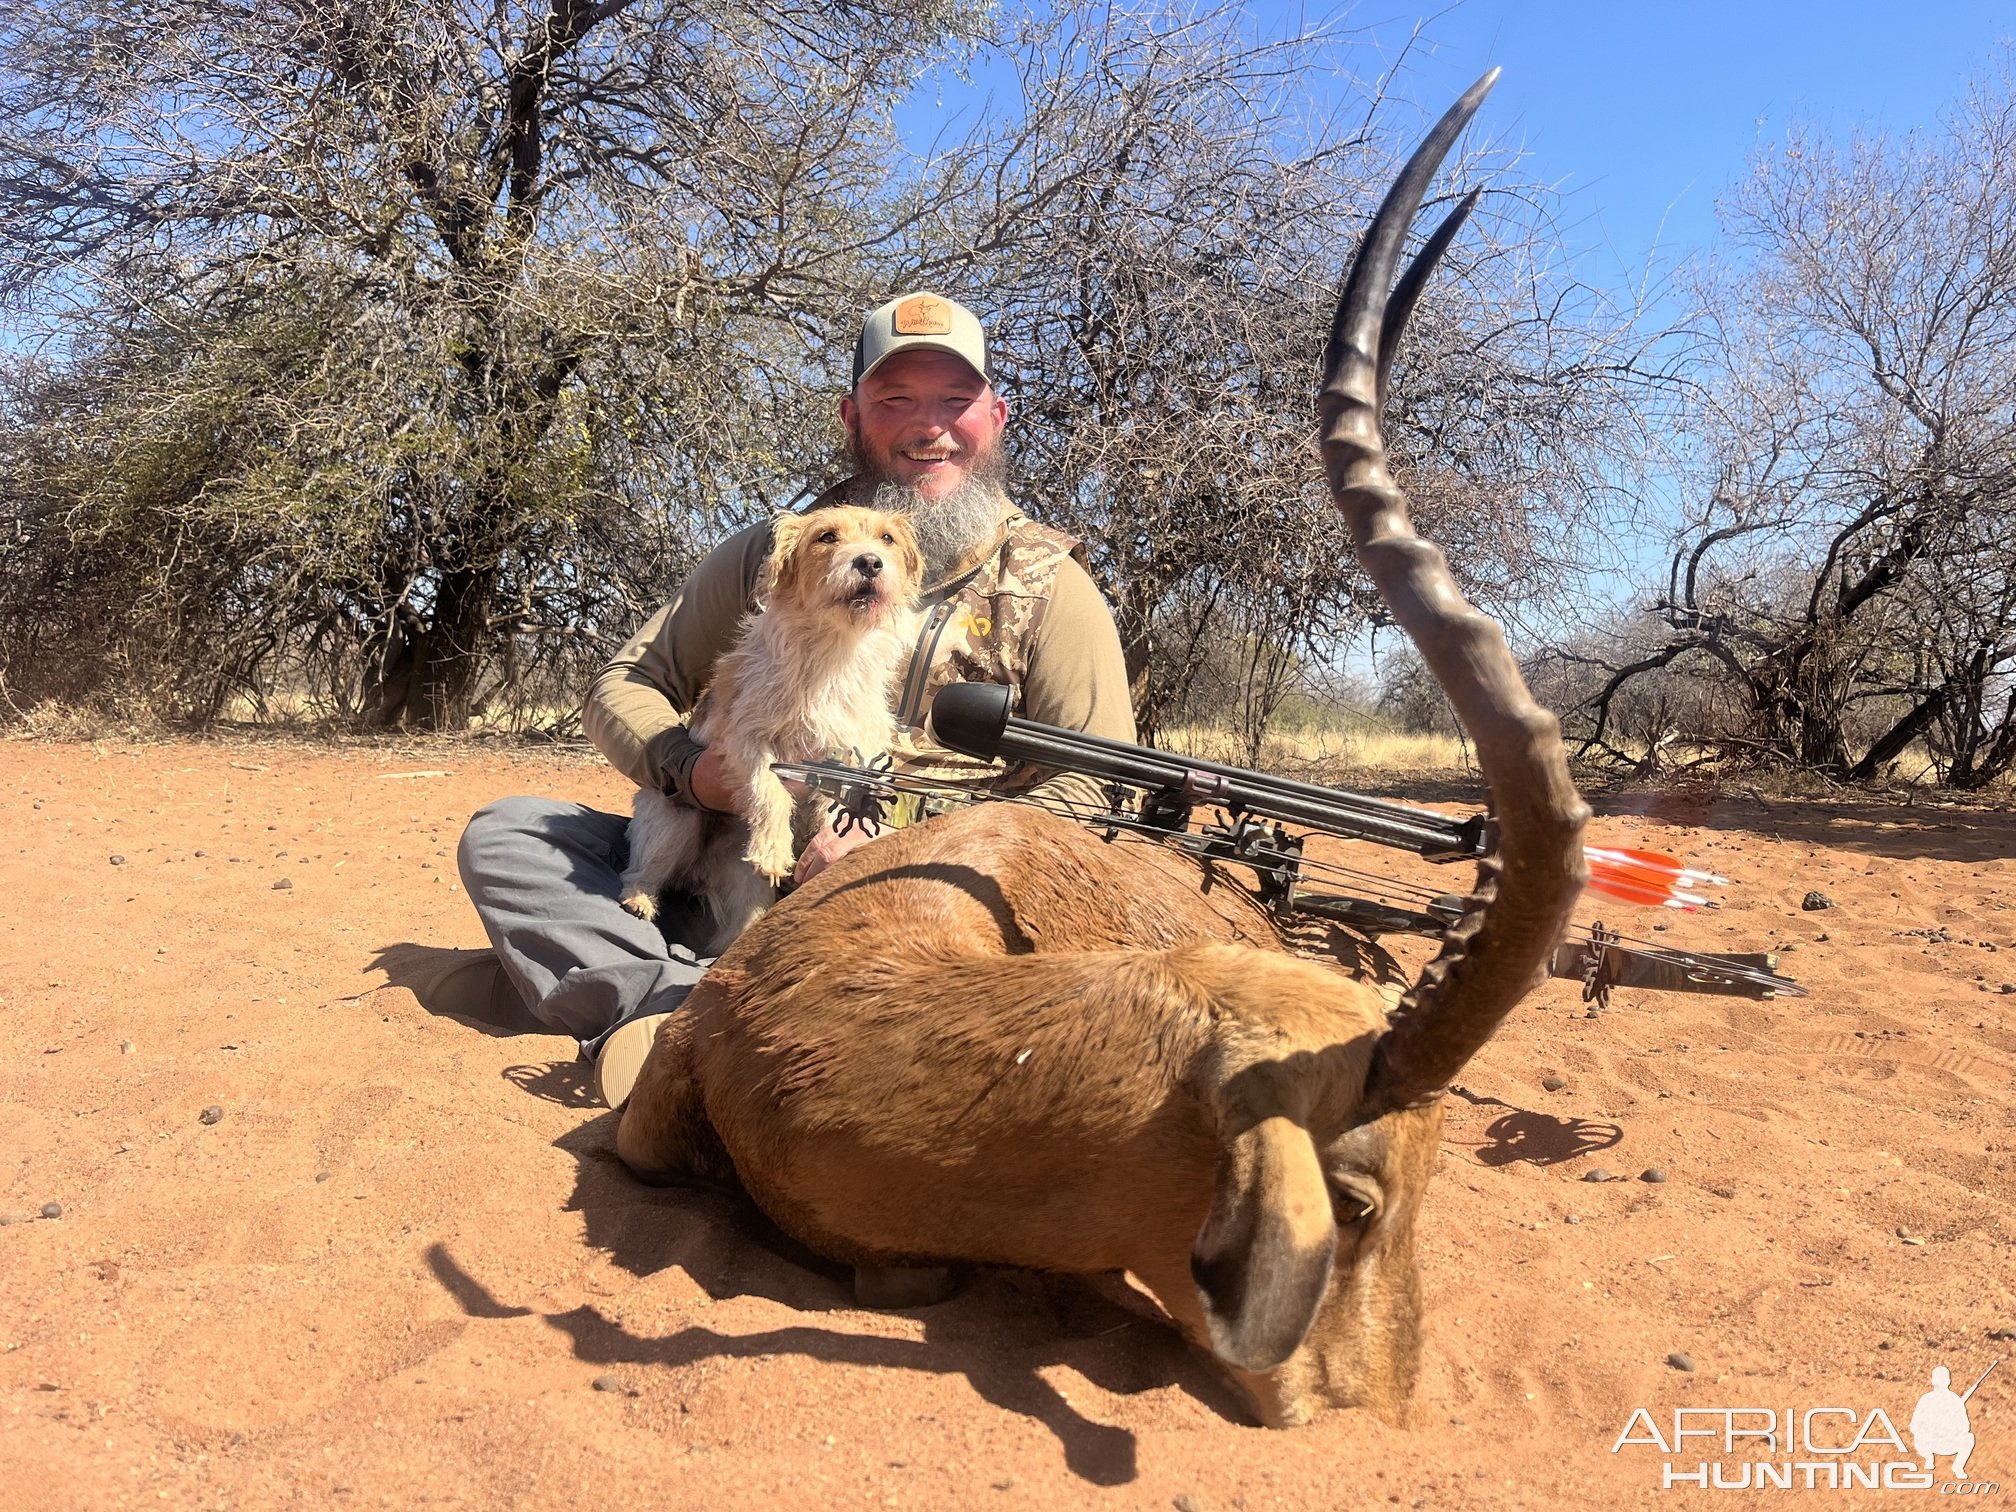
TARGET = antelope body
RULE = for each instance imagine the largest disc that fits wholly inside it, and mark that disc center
(995, 1038)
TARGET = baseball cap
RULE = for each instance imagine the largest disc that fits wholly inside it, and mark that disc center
(920, 320)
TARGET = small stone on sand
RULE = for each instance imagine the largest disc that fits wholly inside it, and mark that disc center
(212, 1114)
(1596, 1173)
(1813, 902)
(118, 860)
(1553, 1083)
(1652, 1174)
(1680, 1361)
(283, 885)
(606, 1383)
(52, 1210)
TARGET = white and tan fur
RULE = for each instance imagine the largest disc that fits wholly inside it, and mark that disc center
(812, 673)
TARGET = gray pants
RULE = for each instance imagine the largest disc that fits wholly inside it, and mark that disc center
(544, 878)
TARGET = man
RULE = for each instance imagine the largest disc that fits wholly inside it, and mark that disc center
(1939, 1423)
(1005, 600)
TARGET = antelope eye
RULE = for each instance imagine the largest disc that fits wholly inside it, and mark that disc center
(1354, 1197)
(828, 537)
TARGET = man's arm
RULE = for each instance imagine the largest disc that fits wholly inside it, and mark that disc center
(636, 708)
(1077, 677)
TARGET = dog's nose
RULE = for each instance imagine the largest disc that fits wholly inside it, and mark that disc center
(868, 564)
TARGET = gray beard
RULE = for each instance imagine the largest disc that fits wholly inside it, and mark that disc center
(950, 529)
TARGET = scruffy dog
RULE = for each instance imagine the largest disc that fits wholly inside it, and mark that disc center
(811, 674)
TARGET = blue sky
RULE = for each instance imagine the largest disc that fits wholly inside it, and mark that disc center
(1641, 113)
(1645, 111)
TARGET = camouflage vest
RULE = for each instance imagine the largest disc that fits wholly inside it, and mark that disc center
(978, 628)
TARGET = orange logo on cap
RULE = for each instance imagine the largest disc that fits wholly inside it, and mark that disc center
(924, 315)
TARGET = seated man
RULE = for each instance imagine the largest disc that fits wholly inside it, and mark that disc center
(1005, 600)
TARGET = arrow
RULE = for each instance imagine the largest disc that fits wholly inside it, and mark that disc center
(1648, 878)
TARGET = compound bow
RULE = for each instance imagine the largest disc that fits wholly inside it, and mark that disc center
(1157, 796)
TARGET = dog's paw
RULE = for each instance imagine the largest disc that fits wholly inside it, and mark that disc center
(642, 904)
(773, 859)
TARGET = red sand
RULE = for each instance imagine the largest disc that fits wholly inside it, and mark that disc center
(389, 1274)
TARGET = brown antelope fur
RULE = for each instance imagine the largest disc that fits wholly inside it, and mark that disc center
(996, 1038)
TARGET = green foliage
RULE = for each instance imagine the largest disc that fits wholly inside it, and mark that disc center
(401, 355)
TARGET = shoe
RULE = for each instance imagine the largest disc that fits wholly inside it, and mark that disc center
(468, 984)
(622, 1057)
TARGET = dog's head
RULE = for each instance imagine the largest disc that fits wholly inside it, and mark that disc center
(863, 563)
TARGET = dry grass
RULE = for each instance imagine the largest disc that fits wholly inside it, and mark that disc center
(298, 709)
(75, 723)
(1333, 755)
(1326, 750)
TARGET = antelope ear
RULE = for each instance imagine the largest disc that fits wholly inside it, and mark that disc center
(779, 568)
(1262, 1259)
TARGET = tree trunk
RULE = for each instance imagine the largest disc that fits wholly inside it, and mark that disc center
(423, 676)
(451, 655)
(1891, 745)
(1137, 646)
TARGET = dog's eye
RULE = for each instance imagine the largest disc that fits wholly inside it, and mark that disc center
(888, 539)
(828, 537)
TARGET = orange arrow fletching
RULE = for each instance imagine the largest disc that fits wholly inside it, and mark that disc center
(1647, 878)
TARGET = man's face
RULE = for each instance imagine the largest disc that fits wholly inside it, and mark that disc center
(926, 420)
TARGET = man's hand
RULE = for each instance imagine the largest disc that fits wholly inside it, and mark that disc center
(708, 784)
(829, 846)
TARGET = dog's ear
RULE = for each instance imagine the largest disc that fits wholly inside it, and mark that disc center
(780, 568)
(911, 552)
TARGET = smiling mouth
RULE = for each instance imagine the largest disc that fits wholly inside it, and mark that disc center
(929, 458)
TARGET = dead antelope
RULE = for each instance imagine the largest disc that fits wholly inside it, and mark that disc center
(994, 1038)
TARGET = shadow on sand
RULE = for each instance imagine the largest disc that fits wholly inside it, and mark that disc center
(1522, 1136)
(999, 1332)
(465, 985)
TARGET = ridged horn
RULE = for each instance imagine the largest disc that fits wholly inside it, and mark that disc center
(1526, 888)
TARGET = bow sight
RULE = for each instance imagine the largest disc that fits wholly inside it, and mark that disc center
(1157, 796)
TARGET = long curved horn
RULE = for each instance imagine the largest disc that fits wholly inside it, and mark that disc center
(1527, 887)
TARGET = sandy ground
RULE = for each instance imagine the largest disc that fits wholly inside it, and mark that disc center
(395, 1269)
